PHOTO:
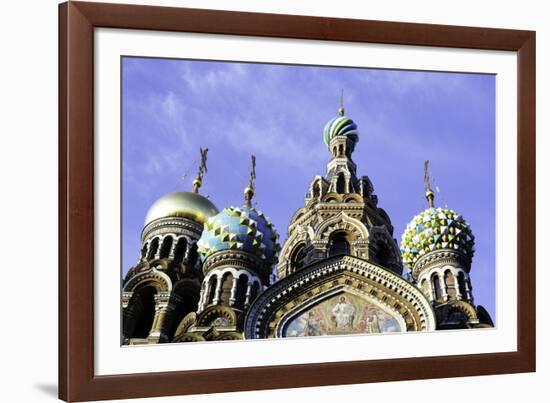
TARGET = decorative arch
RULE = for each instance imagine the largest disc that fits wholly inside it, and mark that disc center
(184, 325)
(298, 214)
(356, 319)
(345, 272)
(304, 235)
(183, 300)
(332, 197)
(298, 256)
(446, 313)
(317, 187)
(353, 198)
(159, 280)
(207, 317)
(143, 289)
(341, 222)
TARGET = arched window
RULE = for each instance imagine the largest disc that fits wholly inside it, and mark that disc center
(450, 284)
(193, 253)
(153, 248)
(383, 256)
(341, 184)
(317, 189)
(212, 284)
(179, 252)
(166, 246)
(227, 284)
(240, 295)
(183, 299)
(462, 285)
(297, 257)
(143, 305)
(339, 244)
(436, 285)
(144, 250)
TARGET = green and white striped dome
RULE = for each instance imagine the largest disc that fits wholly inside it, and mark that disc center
(434, 229)
(340, 126)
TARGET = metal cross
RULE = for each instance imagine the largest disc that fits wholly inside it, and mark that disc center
(429, 191)
(253, 172)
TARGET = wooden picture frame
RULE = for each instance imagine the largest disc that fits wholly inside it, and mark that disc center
(77, 22)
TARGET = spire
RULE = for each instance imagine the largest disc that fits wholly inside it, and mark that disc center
(250, 189)
(341, 108)
(429, 192)
(197, 183)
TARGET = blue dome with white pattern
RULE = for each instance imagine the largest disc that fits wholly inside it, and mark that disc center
(340, 126)
(240, 228)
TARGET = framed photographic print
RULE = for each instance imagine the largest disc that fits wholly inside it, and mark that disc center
(253, 201)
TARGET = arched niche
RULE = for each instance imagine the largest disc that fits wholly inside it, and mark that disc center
(341, 312)
(339, 243)
(298, 256)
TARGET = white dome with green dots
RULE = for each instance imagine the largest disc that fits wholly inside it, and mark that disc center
(435, 229)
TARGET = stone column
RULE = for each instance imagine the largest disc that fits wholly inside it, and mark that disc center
(468, 289)
(431, 288)
(161, 305)
(144, 257)
(457, 287)
(218, 292)
(188, 245)
(173, 247)
(248, 294)
(157, 253)
(233, 291)
(204, 293)
(443, 288)
(126, 296)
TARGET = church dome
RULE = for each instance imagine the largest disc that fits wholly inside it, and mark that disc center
(434, 229)
(240, 228)
(340, 126)
(182, 204)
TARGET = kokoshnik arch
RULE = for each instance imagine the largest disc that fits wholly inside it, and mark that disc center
(205, 274)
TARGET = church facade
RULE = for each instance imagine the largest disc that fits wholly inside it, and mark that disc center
(205, 274)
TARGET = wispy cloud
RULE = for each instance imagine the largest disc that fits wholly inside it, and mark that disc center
(171, 108)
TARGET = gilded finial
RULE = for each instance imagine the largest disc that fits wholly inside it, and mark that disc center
(429, 192)
(197, 183)
(250, 189)
(341, 108)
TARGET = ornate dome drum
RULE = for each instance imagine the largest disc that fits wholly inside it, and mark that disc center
(434, 229)
(240, 228)
(182, 204)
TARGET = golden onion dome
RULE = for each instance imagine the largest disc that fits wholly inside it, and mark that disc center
(182, 204)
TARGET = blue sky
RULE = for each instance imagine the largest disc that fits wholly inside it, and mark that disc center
(277, 112)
